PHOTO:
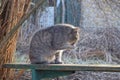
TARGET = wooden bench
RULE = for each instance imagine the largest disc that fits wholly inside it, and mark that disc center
(40, 71)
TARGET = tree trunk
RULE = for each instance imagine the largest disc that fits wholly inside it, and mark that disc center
(11, 12)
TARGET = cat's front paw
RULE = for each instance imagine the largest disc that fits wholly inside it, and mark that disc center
(43, 62)
(59, 62)
(72, 47)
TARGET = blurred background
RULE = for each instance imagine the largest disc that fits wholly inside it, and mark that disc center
(99, 22)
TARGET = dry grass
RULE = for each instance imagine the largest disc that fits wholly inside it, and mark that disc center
(96, 46)
(103, 43)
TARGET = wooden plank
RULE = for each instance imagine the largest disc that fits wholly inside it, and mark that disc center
(66, 67)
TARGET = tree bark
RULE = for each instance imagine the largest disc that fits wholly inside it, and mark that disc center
(11, 12)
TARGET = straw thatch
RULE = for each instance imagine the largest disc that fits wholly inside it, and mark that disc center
(11, 12)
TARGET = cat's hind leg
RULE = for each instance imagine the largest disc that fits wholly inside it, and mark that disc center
(40, 60)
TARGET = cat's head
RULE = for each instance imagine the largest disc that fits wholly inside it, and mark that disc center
(74, 35)
(69, 32)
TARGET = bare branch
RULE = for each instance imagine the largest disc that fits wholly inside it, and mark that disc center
(13, 31)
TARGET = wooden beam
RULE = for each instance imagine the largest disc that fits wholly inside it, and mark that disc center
(67, 67)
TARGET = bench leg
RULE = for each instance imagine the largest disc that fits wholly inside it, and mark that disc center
(35, 75)
(42, 74)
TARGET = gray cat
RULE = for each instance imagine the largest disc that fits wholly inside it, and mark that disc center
(47, 45)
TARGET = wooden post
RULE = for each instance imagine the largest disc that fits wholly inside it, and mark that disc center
(72, 12)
